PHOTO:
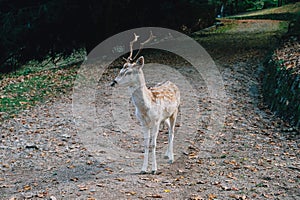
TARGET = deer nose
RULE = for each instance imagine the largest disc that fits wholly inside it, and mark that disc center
(113, 83)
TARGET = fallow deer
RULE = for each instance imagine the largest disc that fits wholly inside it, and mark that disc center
(154, 106)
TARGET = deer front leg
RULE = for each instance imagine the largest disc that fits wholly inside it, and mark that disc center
(153, 144)
(146, 146)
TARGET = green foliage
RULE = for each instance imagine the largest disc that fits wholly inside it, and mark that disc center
(282, 92)
(249, 5)
(39, 29)
(33, 31)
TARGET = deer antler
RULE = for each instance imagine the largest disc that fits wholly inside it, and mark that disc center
(151, 37)
(131, 47)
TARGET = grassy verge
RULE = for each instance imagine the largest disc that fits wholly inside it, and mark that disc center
(34, 83)
(286, 12)
(281, 91)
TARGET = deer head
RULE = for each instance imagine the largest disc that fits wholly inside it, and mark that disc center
(130, 73)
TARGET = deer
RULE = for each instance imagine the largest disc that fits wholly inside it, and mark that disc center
(153, 106)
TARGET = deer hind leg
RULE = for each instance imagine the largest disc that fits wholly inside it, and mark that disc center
(146, 146)
(169, 153)
(167, 122)
(154, 130)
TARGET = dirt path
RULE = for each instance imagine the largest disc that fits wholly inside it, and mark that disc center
(256, 154)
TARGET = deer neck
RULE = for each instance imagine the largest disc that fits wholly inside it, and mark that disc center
(141, 95)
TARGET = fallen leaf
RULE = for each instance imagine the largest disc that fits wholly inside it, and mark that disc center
(144, 178)
(230, 175)
(225, 187)
(239, 197)
(212, 196)
(27, 187)
(5, 165)
(235, 189)
(192, 155)
(99, 185)
(130, 193)
(267, 196)
(89, 162)
(82, 187)
(196, 197)
(74, 179)
(253, 169)
(42, 194)
(23, 102)
(154, 196)
(109, 170)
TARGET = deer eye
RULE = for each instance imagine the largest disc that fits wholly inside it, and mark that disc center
(128, 72)
(125, 71)
(126, 65)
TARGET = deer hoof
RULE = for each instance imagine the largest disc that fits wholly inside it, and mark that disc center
(170, 161)
(153, 172)
(143, 172)
(166, 157)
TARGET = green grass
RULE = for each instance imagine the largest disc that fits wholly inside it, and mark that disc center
(283, 25)
(226, 28)
(34, 83)
(286, 12)
(32, 89)
(23, 94)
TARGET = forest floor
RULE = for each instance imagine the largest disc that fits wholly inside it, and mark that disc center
(255, 156)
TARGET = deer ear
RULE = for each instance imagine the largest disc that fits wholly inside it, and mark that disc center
(140, 62)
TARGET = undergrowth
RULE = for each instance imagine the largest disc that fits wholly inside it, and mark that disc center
(36, 82)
